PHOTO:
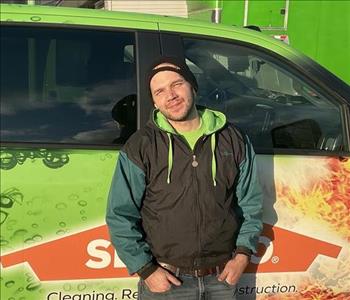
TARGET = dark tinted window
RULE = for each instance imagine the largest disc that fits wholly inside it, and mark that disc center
(263, 96)
(67, 86)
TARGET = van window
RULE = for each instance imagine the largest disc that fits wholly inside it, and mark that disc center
(263, 97)
(67, 85)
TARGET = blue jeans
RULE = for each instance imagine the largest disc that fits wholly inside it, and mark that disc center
(192, 288)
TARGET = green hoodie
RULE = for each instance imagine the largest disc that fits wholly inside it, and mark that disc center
(211, 121)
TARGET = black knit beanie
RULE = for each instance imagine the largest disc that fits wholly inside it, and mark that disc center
(179, 67)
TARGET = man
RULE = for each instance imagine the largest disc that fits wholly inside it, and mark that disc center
(184, 209)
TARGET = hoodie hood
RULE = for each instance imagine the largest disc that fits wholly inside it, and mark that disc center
(211, 120)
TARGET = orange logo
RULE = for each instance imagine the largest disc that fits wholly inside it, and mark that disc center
(90, 255)
(281, 250)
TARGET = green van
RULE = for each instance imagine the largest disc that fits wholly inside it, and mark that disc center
(73, 89)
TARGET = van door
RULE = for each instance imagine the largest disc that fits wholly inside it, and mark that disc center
(69, 100)
(300, 133)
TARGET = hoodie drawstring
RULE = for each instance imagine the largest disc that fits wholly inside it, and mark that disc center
(213, 158)
(170, 157)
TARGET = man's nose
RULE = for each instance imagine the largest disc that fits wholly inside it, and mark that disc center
(171, 94)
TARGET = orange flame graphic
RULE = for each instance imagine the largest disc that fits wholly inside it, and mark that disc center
(319, 188)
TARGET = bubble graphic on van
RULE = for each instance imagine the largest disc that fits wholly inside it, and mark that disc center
(19, 233)
(12, 158)
(81, 287)
(73, 197)
(61, 232)
(34, 239)
(7, 160)
(55, 160)
(34, 213)
(82, 203)
(61, 205)
(33, 286)
(8, 199)
(10, 283)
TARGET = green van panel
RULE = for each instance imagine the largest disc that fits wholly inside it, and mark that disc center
(47, 195)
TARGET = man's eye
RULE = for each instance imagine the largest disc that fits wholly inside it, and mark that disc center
(157, 93)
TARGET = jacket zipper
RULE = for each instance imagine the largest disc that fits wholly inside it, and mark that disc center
(195, 184)
(198, 212)
(195, 179)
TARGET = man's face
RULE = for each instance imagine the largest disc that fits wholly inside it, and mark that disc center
(172, 95)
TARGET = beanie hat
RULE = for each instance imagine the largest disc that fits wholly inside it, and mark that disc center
(179, 66)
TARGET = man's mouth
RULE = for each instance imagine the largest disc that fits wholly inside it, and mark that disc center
(175, 105)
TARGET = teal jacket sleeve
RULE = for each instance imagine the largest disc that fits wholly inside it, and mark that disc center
(250, 203)
(123, 214)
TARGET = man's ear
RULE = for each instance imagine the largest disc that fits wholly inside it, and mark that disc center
(155, 105)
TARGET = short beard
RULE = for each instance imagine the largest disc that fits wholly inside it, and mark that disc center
(186, 117)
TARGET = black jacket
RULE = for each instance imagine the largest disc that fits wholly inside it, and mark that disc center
(183, 207)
